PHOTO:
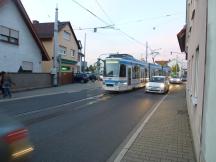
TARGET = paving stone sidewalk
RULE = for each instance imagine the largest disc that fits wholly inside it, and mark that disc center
(167, 135)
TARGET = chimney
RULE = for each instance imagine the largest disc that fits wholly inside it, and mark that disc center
(35, 22)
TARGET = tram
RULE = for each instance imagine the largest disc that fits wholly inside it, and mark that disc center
(123, 72)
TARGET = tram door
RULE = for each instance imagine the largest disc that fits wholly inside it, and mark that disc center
(129, 76)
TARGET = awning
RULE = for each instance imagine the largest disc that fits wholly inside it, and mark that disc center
(181, 38)
(68, 62)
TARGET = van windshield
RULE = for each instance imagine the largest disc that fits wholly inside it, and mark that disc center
(157, 79)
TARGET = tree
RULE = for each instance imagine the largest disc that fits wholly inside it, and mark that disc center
(87, 69)
(92, 68)
(175, 69)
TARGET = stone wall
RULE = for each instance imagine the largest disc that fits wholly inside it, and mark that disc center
(28, 81)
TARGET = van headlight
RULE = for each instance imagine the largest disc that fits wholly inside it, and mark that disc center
(147, 84)
(162, 85)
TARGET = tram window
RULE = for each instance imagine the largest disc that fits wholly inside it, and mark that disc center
(138, 72)
(134, 72)
(122, 70)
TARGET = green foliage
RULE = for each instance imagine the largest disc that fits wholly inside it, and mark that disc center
(92, 68)
(175, 69)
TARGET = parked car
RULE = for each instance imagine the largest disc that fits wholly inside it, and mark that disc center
(92, 76)
(81, 78)
(14, 141)
(157, 84)
(175, 80)
(184, 78)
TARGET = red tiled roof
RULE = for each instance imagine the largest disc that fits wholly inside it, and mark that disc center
(162, 62)
(18, 3)
(46, 30)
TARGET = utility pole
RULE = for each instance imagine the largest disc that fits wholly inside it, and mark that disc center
(55, 50)
(84, 52)
(146, 51)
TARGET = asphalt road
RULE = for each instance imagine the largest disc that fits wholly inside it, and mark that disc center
(86, 126)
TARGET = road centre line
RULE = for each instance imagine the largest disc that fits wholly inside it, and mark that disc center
(32, 96)
(131, 140)
(57, 106)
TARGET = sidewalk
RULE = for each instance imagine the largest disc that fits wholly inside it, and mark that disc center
(70, 88)
(166, 137)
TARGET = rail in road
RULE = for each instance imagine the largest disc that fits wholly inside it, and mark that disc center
(88, 128)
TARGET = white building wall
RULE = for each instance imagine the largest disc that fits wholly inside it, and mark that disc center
(11, 56)
(196, 39)
(209, 120)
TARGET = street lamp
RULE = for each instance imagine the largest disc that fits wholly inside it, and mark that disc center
(154, 54)
(98, 61)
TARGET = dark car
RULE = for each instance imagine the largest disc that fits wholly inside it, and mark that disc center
(184, 78)
(92, 77)
(14, 141)
(81, 78)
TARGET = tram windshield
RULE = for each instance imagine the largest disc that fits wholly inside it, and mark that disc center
(112, 69)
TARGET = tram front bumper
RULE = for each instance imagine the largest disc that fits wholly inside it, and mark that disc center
(114, 88)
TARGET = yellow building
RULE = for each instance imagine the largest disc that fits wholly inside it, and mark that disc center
(69, 49)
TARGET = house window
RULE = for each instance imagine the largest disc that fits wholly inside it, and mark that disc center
(72, 52)
(195, 71)
(26, 67)
(9, 35)
(62, 50)
(67, 35)
(79, 58)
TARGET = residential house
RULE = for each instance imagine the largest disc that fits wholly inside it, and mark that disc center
(69, 49)
(198, 40)
(20, 48)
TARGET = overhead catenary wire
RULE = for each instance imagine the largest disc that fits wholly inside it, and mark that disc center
(105, 13)
(124, 33)
(91, 12)
(127, 35)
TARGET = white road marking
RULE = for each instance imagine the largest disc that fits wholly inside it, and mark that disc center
(57, 106)
(126, 147)
(41, 95)
(33, 96)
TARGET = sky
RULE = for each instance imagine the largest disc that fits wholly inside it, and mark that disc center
(134, 23)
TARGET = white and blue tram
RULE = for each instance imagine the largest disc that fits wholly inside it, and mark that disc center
(123, 72)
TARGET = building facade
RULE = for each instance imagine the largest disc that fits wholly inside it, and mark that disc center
(69, 50)
(20, 48)
(199, 46)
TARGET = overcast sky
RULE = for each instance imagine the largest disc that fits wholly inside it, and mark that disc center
(155, 21)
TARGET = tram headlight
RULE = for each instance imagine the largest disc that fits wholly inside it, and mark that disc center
(124, 83)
